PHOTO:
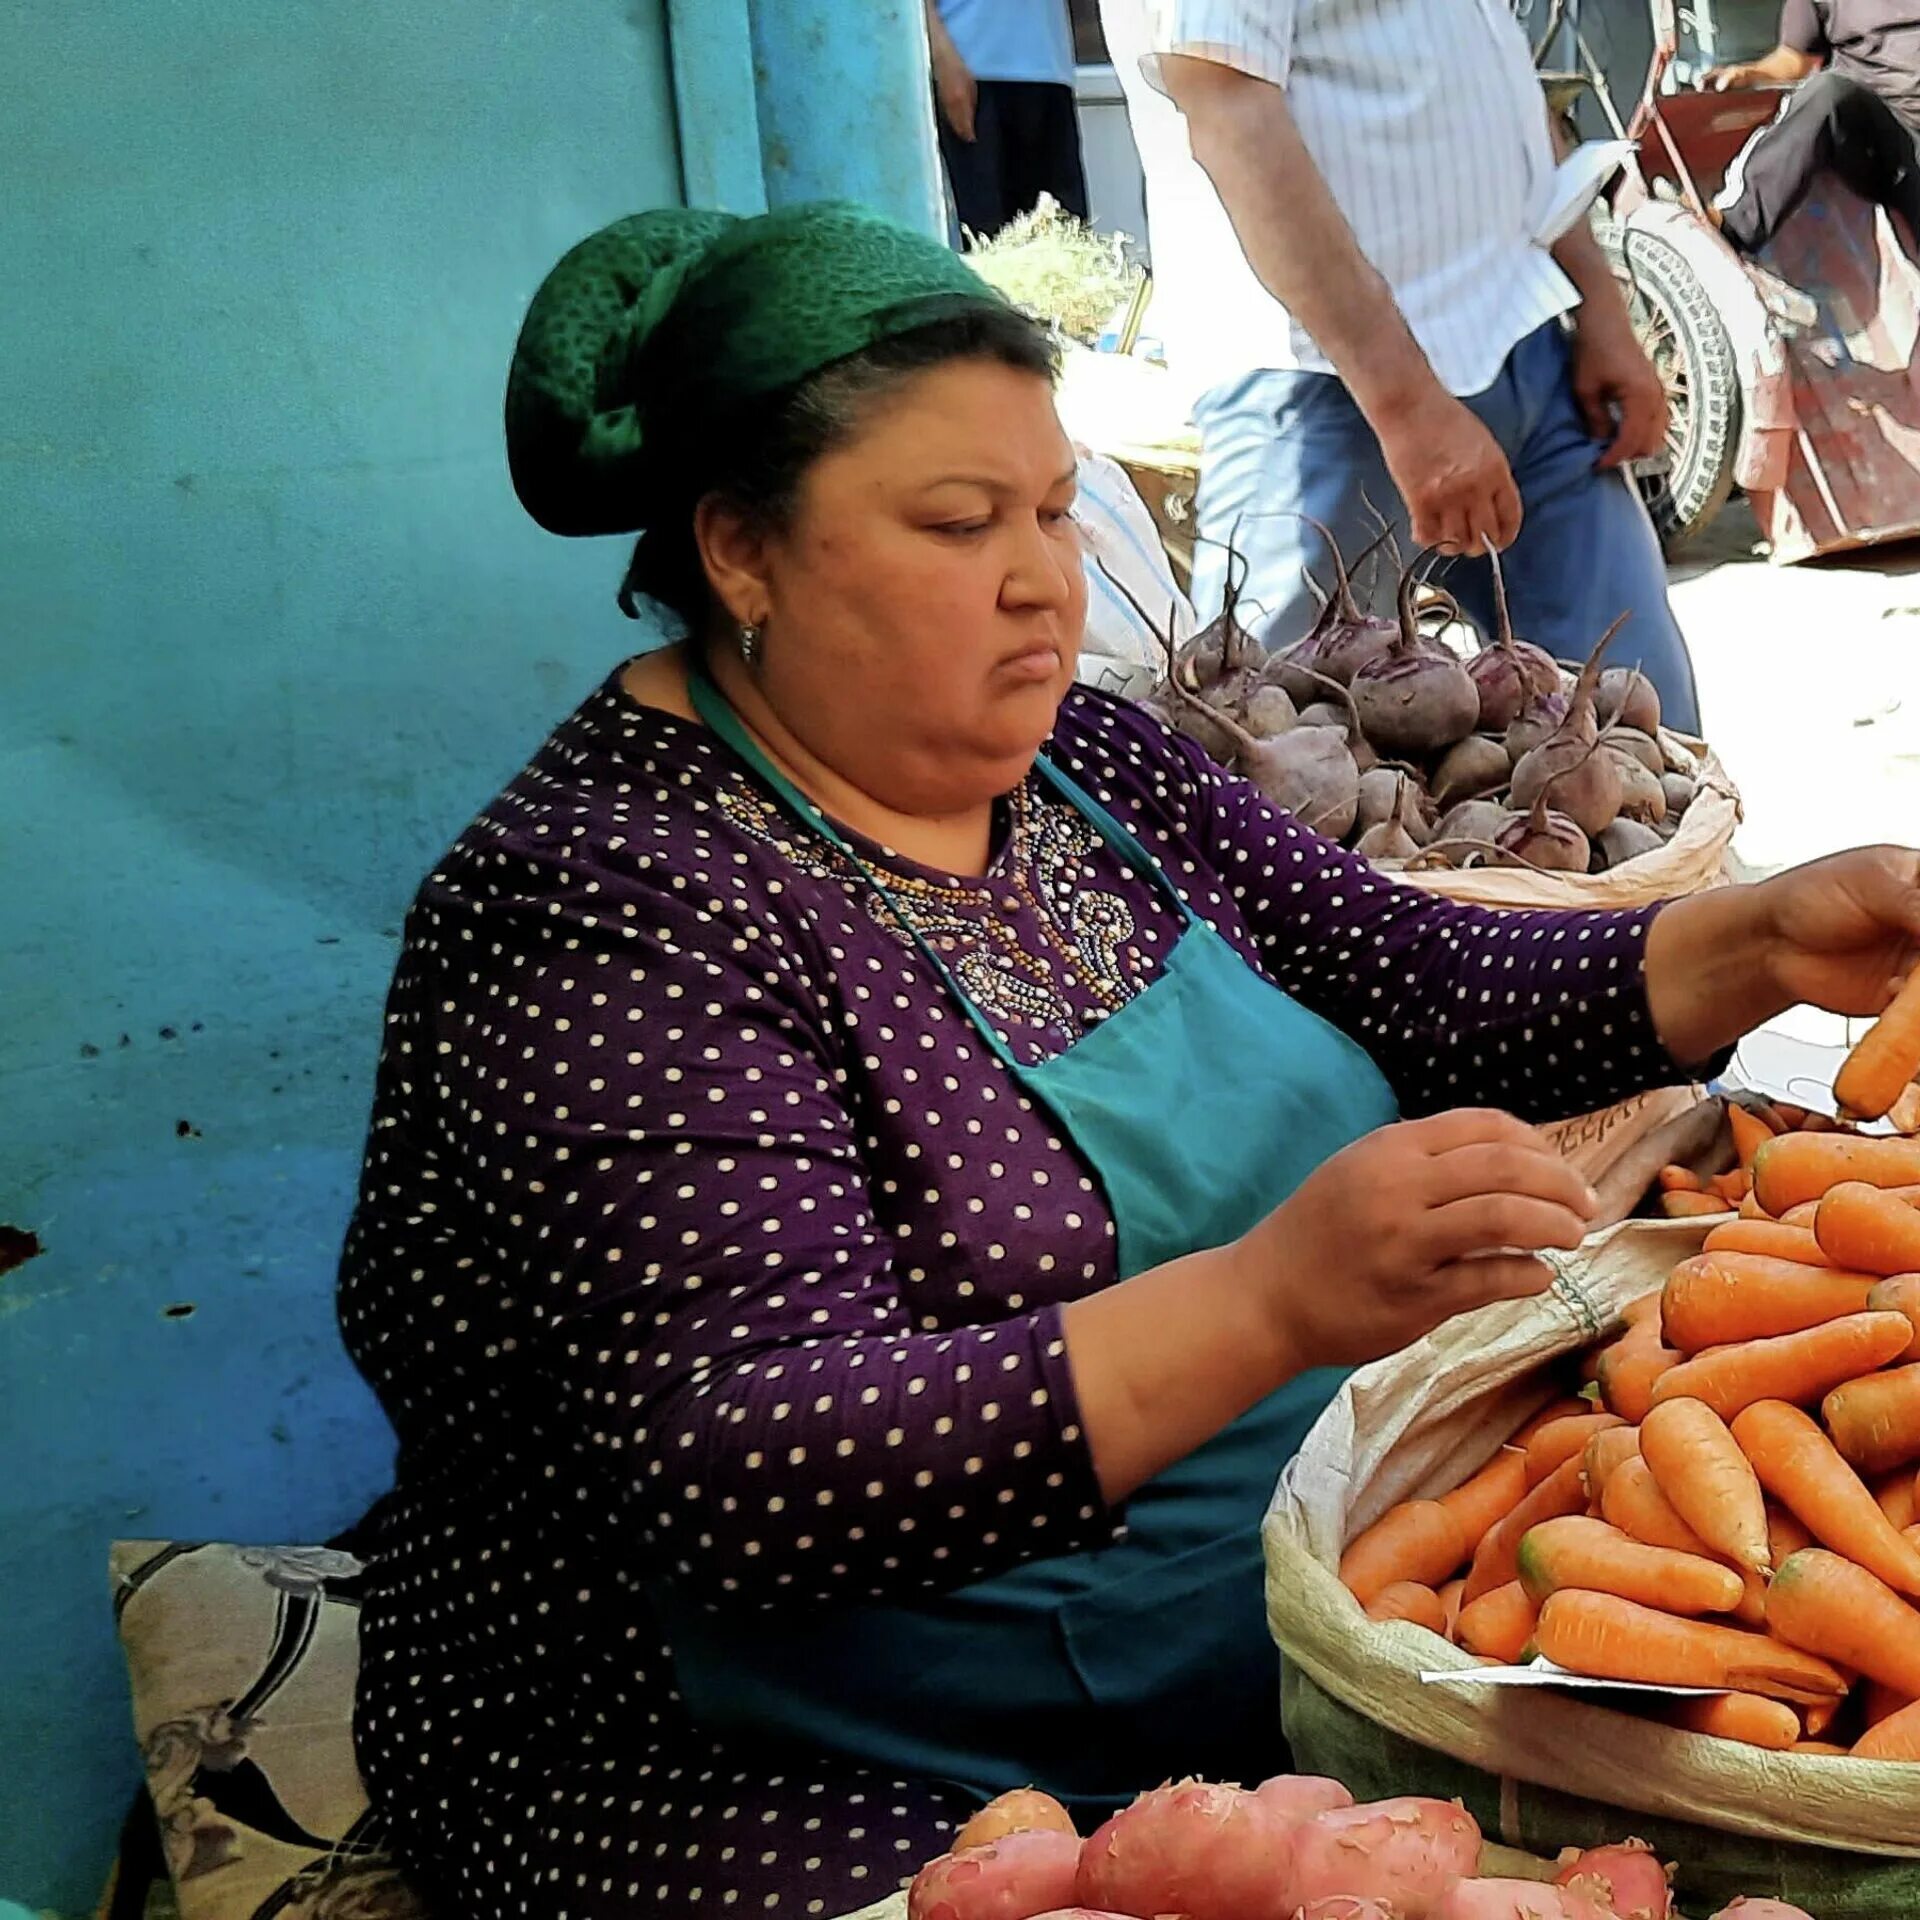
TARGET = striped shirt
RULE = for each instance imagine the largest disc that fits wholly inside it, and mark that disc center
(1426, 121)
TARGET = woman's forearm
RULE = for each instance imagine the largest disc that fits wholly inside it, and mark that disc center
(1710, 977)
(1164, 1361)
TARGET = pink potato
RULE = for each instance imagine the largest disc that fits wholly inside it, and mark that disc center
(1345, 1906)
(1204, 1852)
(1744, 1909)
(1018, 1875)
(1299, 1796)
(1409, 1853)
(1627, 1879)
(1081, 1913)
(1025, 1810)
(1517, 1900)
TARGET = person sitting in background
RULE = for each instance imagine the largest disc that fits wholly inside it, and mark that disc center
(1854, 66)
(1009, 130)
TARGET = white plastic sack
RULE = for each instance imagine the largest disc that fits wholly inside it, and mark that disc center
(1132, 596)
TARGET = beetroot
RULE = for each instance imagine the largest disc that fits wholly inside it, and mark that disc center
(1679, 789)
(1341, 641)
(1623, 841)
(1270, 713)
(1206, 1852)
(1567, 769)
(1018, 1875)
(1415, 698)
(1639, 746)
(1477, 765)
(1390, 840)
(1542, 717)
(1545, 840)
(1474, 820)
(1627, 696)
(1626, 1880)
(1642, 797)
(1409, 1853)
(1507, 673)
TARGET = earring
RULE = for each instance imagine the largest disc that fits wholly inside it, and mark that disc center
(750, 645)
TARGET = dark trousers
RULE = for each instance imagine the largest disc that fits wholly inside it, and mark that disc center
(1831, 124)
(1026, 142)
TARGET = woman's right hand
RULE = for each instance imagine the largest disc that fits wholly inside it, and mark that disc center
(1409, 1226)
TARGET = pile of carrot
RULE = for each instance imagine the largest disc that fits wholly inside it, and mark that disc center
(1734, 1501)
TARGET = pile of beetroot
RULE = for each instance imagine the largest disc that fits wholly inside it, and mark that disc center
(1392, 737)
(1294, 1848)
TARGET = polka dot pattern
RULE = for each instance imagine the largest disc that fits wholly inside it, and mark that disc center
(701, 1240)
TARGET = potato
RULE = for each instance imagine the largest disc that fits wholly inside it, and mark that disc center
(1025, 1810)
(1205, 1852)
(1018, 1875)
(1408, 1852)
(1517, 1900)
(1345, 1906)
(1299, 1796)
(1626, 1879)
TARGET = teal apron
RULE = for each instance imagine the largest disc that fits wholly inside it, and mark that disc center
(1200, 1105)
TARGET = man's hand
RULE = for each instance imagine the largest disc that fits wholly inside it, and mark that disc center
(1735, 79)
(953, 83)
(1449, 469)
(1618, 388)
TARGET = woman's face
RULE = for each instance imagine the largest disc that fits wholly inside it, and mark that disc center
(923, 612)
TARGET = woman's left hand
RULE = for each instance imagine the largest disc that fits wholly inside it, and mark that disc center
(1838, 934)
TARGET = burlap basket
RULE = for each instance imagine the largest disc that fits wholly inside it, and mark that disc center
(1542, 1769)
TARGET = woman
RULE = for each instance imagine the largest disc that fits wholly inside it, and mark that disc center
(880, 1154)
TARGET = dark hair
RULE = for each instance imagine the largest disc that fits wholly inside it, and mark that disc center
(757, 461)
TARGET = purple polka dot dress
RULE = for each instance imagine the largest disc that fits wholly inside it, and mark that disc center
(700, 1240)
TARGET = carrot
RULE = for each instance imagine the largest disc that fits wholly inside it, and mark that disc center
(1629, 1369)
(1634, 1503)
(1699, 1465)
(1561, 1409)
(1886, 1061)
(1450, 1604)
(1803, 1215)
(1791, 1366)
(1794, 1167)
(1690, 1206)
(1745, 1717)
(1897, 1497)
(1750, 1133)
(1589, 1554)
(1731, 1187)
(1797, 1464)
(1823, 1749)
(1904, 1114)
(1499, 1624)
(1605, 1452)
(1681, 1180)
(1862, 1228)
(1409, 1600)
(1878, 1702)
(1897, 1737)
(1417, 1540)
(1608, 1638)
(1645, 1307)
(1490, 1495)
(1900, 1294)
(1825, 1604)
(1788, 1115)
(1816, 1720)
(1716, 1298)
(1497, 1558)
(1875, 1421)
(1785, 1534)
(1751, 1209)
(1767, 1237)
(1562, 1440)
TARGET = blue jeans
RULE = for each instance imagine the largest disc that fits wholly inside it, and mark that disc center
(1278, 444)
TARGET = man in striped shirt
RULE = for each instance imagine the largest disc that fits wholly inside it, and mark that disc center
(1352, 209)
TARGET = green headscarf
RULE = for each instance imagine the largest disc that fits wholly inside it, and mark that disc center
(671, 324)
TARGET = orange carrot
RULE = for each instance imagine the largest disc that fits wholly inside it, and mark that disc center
(1904, 1114)
(1589, 1554)
(1497, 1558)
(1878, 1702)
(1785, 1534)
(1606, 1451)
(1825, 1604)
(1562, 1440)
(1897, 1497)
(1417, 1540)
(1751, 1209)
(1608, 1638)
(1823, 1750)
(1629, 1369)
(1731, 1187)
(1897, 1737)
(1793, 1366)
(1691, 1206)
(1560, 1409)
(1802, 1216)
(1815, 1720)
(1499, 1624)
(1681, 1180)
(1409, 1600)
(1450, 1603)
(1861, 1228)
(1745, 1717)
(1900, 1294)
(1716, 1298)
(1645, 1307)
(1886, 1060)
(1794, 1167)
(1490, 1495)
(1797, 1464)
(1750, 1134)
(1875, 1421)
(1634, 1503)
(1819, 1123)
(1768, 1237)
(1788, 1115)
(1698, 1464)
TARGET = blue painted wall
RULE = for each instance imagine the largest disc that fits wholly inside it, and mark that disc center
(271, 627)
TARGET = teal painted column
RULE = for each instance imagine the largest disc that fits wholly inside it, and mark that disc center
(846, 108)
(714, 99)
